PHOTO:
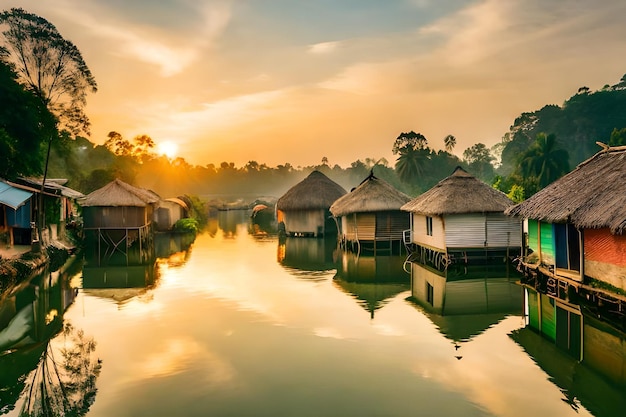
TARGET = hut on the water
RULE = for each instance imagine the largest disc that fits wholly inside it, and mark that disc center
(169, 212)
(303, 209)
(576, 225)
(369, 217)
(118, 216)
(461, 219)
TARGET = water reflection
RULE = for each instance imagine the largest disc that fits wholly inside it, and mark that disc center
(224, 329)
(584, 356)
(302, 256)
(464, 301)
(47, 362)
(372, 280)
(122, 283)
(229, 220)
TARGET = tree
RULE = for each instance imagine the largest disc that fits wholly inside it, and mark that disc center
(407, 140)
(618, 137)
(54, 70)
(413, 153)
(118, 145)
(543, 161)
(479, 161)
(22, 116)
(49, 65)
(449, 143)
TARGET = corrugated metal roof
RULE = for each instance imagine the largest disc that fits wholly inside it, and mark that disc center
(13, 197)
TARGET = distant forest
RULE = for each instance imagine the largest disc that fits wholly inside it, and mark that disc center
(568, 133)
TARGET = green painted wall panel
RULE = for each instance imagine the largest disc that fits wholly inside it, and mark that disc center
(546, 237)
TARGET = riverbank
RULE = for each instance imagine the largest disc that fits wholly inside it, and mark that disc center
(19, 264)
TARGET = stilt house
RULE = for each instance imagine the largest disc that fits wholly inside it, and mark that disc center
(576, 226)
(462, 219)
(303, 209)
(370, 218)
(117, 217)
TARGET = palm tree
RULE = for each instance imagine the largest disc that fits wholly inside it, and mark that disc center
(410, 164)
(543, 161)
(449, 142)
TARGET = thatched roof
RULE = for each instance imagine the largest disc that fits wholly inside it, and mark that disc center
(316, 191)
(117, 193)
(372, 195)
(591, 196)
(460, 193)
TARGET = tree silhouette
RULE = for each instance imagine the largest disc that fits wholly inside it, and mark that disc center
(449, 143)
(51, 66)
(413, 153)
(65, 386)
(543, 161)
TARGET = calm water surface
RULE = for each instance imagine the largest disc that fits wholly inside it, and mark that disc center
(245, 325)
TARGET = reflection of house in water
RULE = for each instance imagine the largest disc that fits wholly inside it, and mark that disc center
(168, 244)
(119, 283)
(465, 301)
(29, 319)
(370, 218)
(371, 280)
(461, 220)
(303, 257)
(303, 209)
(118, 224)
(262, 221)
(584, 356)
(230, 220)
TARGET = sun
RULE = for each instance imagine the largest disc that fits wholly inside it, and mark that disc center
(168, 148)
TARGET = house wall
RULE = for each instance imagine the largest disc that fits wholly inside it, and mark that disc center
(391, 224)
(605, 256)
(420, 237)
(167, 215)
(359, 226)
(475, 230)
(304, 221)
(116, 217)
(503, 231)
(541, 241)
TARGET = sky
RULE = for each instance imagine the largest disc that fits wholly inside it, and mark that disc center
(277, 81)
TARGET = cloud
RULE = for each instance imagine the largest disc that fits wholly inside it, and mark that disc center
(171, 52)
(324, 47)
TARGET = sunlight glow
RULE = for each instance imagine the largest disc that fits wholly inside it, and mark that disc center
(168, 148)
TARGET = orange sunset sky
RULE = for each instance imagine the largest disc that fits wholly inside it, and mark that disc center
(294, 81)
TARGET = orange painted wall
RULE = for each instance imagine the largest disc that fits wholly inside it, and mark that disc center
(602, 246)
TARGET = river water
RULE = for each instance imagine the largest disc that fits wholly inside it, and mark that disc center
(241, 323)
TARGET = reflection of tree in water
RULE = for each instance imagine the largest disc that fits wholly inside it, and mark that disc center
(65, 385)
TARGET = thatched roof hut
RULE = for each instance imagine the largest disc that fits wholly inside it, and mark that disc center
(589, 197)
(316, 191)
(460, 193)
(372, 195)
(117, 193)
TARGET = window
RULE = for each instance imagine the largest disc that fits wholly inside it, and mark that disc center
(430, 294)
(429, 225)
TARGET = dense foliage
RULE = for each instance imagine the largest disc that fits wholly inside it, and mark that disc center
(22, 117)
